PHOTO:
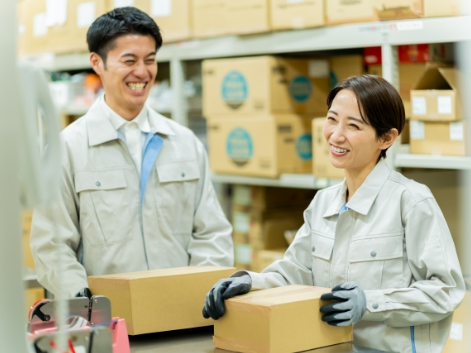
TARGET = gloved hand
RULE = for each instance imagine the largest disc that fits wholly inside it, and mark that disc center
(349, 309)
(224, 289)
(84, 292)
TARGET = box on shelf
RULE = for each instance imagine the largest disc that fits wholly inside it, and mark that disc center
(435, 97)
(261, 320)
(263, 84)
(26, 221)
(436, 8)
(209, 18)
(242, 251)
(247, 16)
(341, 11)
(460, 333)
(172, 16)
(409, 75)
(398, 9)
(322, 167)
(437, 138)
(147, 300)
(266, 197)
(262, 145)
(413, 53)
(288, 14)
(342, 67)
(264, 258)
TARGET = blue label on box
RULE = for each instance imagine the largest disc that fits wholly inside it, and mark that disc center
(304, 147)
(239, 146)
(300, 88)
(234, 89)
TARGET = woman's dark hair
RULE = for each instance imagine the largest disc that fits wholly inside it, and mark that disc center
(378, 101)
(105, 29)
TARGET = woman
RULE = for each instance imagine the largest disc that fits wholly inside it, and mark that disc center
(378, 239)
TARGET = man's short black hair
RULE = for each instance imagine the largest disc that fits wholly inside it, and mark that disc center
(105, 29)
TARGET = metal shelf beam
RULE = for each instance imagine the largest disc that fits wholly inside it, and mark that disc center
(432, 162)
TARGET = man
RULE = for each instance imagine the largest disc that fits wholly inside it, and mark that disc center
(135, 188)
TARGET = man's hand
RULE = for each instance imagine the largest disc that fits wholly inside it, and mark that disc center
(350, 309)
(84, 292)
(224, 289)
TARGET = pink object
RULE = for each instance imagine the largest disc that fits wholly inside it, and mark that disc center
(120, 336)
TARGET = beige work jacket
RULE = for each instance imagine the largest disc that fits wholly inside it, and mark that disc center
(394, 242)
(107, 228)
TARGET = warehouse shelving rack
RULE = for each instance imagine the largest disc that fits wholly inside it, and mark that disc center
(388, 35)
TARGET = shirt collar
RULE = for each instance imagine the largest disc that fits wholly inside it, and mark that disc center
(365, 196)
(118, 121)
(100, 128)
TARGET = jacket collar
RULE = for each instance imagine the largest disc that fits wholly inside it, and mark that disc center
(101, 130)
(365, 196)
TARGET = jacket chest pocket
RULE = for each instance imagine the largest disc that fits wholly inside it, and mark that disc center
(175, 197)
(377, 262)
(322, 247)
(107, 214)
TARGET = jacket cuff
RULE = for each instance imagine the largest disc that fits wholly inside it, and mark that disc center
(376, 305)
(257, 278)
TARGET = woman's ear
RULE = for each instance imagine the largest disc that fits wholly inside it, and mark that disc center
(388, 139)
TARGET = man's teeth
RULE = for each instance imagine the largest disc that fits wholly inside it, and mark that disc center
(338, 150)
(136, 86)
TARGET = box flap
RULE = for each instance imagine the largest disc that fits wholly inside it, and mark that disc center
(451, 75)
(161, 273)
(433, 78)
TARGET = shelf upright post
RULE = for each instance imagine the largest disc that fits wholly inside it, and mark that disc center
(179, 103)
(390, 67)
(12, 325)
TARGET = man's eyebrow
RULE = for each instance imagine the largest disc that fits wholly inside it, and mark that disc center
(135, 56)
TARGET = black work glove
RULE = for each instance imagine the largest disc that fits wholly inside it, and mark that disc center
(224, 289)
(84, 292)
(349, 309)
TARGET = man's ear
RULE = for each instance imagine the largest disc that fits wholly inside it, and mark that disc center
(388, 139)
(97, 63)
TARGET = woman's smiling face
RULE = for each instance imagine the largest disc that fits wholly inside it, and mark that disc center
(353, 142)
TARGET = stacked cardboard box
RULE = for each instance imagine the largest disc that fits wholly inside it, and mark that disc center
(289, 14)
(260, 215)
(259, 113)
(436, 127)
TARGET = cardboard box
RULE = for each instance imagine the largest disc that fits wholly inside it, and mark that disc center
(345, 11)
(264, 258)
(209, 18)
(266, 197)
(242, 251)
(288, 14)
(322, 167)
(437, 8)
(159, 300)
(409, 75)
(460, 334)
(437, 138)
(398, 9)
(247, 16)
(26, 221)
(261, 321)
(172, 16)
(267, 145)
(33, 31)
(343, 67)
(435, 97)
(261, 85)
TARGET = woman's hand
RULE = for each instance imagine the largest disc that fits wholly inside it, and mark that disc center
(224, 289)
(350, 309)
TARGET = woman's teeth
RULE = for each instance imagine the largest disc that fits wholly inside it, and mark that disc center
(338, 150)
(136, 86)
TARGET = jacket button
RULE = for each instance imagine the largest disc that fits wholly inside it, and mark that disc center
(313, 248)
(183, 175)
(98, 183)
(375, 305)
(373, 253)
